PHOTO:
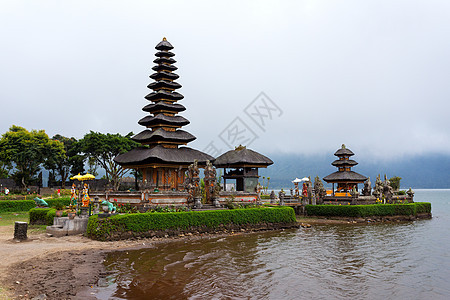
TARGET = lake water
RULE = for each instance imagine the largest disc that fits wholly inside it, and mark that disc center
(383, 261)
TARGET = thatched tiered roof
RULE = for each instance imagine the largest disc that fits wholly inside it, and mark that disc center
(242, 157)
(163, 134)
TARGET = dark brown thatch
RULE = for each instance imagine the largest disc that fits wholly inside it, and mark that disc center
(159, 135)
(344, 162)
(159, 68)
(344, 152)
(163, 84)
(160, 155)
(163, 119)
(164, 60)
(164, 54)
(161, 105)
(164, 45)
(241, 158)
(164, 75)
(163, 95)
(345, 176)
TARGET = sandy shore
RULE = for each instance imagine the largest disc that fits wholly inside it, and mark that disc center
(59, 268)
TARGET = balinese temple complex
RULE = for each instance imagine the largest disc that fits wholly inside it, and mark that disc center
(242, 165)
(162, 159)
(344, 177)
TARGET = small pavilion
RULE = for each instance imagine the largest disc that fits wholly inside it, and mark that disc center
(344, 177)
(161, 159)
(243, 167)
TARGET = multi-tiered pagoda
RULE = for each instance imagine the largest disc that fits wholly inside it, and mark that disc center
(161, 159)
(345, 178)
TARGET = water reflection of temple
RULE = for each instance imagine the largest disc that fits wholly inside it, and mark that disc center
(344, 177)
(161, 159)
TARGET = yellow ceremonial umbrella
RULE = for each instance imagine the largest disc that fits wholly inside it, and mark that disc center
(77, 177)
(87, 176)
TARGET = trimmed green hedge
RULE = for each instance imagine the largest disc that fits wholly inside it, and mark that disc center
(410, 209)
(16, 205)
(42, 216)
(101, 228)
(26, 205)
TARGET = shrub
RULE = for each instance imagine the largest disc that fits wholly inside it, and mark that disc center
(50, 215)
(410, 209)
(64, 201)
(16, 205)
(423, 207)
(42, 216)
(102, 228)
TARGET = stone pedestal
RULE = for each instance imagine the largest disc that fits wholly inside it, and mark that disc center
(96, 205)
(216, 202)
(84, 212)
(20, 230)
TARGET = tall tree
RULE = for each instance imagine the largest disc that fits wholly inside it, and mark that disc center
(5, 165)
(104, 148)
(26, 151)
(70, 163)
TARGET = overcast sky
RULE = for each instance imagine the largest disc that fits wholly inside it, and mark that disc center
(371, 74)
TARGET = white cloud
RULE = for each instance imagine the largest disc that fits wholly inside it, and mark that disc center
(371, 74)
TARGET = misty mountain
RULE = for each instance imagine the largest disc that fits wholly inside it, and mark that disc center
(424, 171)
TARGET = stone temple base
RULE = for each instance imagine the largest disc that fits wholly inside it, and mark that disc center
(64, 226)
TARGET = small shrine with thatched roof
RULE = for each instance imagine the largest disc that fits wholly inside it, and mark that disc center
(241, 165)
(344, 177)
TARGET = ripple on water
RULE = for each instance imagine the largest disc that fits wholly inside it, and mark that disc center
(392, 261)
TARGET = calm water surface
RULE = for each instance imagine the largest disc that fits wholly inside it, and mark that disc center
(383, 261)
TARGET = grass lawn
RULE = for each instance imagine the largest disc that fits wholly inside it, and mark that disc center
(8, 219)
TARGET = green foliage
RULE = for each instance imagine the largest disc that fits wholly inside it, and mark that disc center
(126, 208)
(70, 163)
(65, 201)
(410, 209)
(423, 207)
(16, 205)
(395, 182)
(42, 216)
(101, 229)
(50, 215)
(26, 205)
(169, 208)
(102, 148)
(27, 150)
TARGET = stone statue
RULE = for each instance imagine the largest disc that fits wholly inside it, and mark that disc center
(318, 188)
(410, 193)
(211, 184)
(367, 190)
(40, 202)
(388, 191)
(108, 207)
(272, 197)
(258, 192)
(281, 195)
(192, 185)
(378, 190)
